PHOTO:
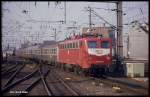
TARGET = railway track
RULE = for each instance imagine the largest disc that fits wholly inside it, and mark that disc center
(58, 86)
(13, 75)
(46, 87)
(54, 85)
(42, 75)
(18, 85)
(7, 88)
(10, 69)
(123, 86)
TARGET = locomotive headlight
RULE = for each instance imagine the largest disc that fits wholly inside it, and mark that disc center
(90, 58)
(108, 58)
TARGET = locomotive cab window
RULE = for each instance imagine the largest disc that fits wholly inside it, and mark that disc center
(92, 44)
(105, 44)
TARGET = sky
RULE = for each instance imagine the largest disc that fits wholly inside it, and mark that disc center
(25, 21)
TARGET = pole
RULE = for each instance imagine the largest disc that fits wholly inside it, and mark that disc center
(65, 10)
(90, 21)
(120, 70)
(119, 29)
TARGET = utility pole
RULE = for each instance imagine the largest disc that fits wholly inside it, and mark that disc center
(119, 29)
(119, 58)
(90, 21)
(65, 10)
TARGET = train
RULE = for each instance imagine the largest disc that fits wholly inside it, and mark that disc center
(88, 55)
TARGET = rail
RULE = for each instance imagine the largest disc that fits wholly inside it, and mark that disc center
(65, 84)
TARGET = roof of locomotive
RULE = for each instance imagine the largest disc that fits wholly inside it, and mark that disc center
(84, 38)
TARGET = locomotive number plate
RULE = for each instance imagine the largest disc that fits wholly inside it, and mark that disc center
(99, 51)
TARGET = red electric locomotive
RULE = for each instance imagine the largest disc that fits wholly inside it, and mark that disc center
(90, 54)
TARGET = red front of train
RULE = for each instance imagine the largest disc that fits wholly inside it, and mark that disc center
(86, 52)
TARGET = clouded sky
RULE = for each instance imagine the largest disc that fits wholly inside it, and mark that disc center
(25, 21)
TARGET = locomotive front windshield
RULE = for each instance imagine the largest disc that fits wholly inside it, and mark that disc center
(92, 44)
(105, 44)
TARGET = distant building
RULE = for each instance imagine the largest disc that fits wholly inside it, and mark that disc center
(137, 43)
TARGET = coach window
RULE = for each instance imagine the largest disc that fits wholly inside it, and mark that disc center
(64, 46)
(53, 51)
(67, 45)
(70, 45)
(73, 45)
(76, 44)
(46, 51)
(49, 51)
